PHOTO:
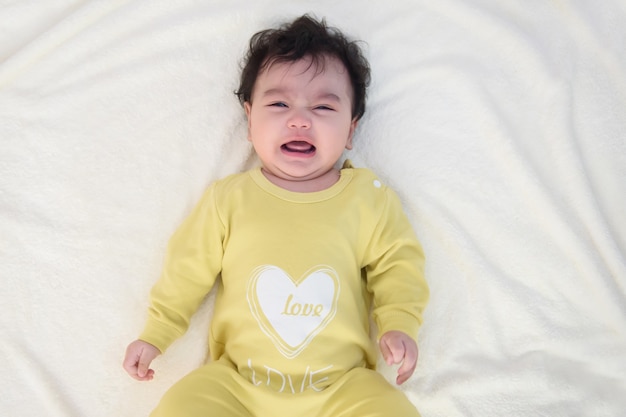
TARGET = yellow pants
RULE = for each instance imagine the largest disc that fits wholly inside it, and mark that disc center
(217, 390)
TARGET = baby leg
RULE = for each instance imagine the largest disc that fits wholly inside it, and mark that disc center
(366, 393)
(211, 390)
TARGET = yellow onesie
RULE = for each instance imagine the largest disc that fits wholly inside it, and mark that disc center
(299, 274)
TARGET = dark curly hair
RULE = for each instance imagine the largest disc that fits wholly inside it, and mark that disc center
(305, 37)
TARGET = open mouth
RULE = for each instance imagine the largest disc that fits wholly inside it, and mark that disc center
(298, 147)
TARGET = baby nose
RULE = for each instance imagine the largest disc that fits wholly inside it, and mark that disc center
(299, 120)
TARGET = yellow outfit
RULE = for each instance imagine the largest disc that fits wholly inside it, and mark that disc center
(299, 272)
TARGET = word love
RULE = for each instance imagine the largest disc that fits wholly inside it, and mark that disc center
(282, 381)
(305, 310)
(292, 312)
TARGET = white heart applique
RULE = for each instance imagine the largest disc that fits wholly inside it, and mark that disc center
(293, 312)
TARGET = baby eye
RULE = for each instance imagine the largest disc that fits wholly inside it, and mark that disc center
(323, 107)
(278, 104)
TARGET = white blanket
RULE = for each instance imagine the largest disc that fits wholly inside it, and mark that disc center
(501, 124)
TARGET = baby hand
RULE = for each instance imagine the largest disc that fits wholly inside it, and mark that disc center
(139, 355)
(397, 347)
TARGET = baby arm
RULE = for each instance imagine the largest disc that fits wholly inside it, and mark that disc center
(395, 278)
(398, 348)
(139, 356)
(192, 263)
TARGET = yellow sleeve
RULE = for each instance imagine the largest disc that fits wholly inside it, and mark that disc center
(192, 263)
(395, 271)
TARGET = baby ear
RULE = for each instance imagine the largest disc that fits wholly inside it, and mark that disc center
(353, 125)
(248, 108)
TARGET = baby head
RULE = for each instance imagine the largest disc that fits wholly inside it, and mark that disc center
(303, 88)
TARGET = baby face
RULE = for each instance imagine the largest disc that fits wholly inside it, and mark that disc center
(300, 121)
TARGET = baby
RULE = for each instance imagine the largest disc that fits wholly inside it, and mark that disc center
(305, 250)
